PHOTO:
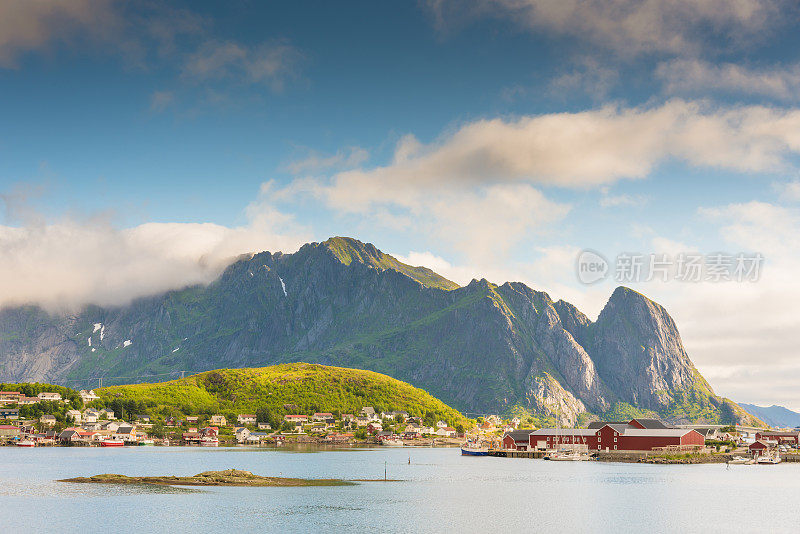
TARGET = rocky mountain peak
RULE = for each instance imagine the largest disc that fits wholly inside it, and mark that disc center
(638, 350)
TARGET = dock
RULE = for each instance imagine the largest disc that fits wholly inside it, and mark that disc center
(511, 453)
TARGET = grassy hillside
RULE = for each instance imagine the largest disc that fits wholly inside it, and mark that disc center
(348, 250)
(312, 388)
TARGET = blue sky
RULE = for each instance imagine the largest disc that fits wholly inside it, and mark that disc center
(494, 139)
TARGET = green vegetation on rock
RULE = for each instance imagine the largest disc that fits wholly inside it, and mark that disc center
(309, 387)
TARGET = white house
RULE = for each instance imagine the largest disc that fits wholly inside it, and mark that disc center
(48, 420)
(110, 426)
(90, 416)
(441, 424)
(246, 419)
(125, 433)
(241, 433)
(264, 426)
(75, 414)
(88, 396)
(47, 396)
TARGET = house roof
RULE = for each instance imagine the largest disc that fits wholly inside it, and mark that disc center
(657, 432)
(618, 427)
(601, 424)
(778, 433)
(651, 423)
(520, 435)
(563, 431)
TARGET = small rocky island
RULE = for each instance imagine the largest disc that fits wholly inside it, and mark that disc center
(229, 477)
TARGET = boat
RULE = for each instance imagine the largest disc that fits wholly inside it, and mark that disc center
(769, 459)
(567, 456)
(474, 449)
(209, 442)
(741, 460)
(112, 443)
(26, 443)
(146, 443)
(392, 443)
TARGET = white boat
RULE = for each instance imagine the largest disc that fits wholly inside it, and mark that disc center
(567, 456)
(392, 443)
(112, 443)
(26, 443)
(769, 459)
(209, 442)
(146, 443)
(741, 460)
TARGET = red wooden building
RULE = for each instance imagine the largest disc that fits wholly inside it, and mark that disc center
(783, 438)
(635, 435)
(517, 439)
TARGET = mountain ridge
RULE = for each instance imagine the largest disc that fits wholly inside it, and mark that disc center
(481, 347)
(775, 416)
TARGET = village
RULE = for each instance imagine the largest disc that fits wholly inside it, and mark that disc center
(639, 439)
(101, 427)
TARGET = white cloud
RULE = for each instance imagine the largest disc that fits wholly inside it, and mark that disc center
(789, 192)
(609, 200)
(66, 264)
(628, 27)
(315, 162)
(743, 334)
(33, 25)
(697, 76)
(588, 148)
(271, 64)
(588, 76)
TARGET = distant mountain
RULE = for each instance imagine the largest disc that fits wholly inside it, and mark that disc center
(481, 348)
(775, 416)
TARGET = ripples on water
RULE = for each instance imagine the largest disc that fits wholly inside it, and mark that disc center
(441, 491)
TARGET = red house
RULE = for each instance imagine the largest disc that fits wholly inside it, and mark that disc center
(631, 438)
(517, 439)
(759, 447)
(635, 435)
(783, 438)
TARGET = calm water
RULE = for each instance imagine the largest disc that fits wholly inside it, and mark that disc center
(442, 490)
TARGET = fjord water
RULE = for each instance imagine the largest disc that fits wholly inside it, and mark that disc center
(440, 490)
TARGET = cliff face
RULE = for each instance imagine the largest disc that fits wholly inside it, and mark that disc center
(638, 351)
(481, 348)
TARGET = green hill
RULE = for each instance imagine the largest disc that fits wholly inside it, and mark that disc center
(312, 388)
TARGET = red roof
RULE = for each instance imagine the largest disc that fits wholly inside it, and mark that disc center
(7, 427)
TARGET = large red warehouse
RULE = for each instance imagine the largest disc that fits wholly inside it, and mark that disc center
(635, 435)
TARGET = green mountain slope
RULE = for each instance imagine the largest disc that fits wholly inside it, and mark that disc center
(312, 388)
